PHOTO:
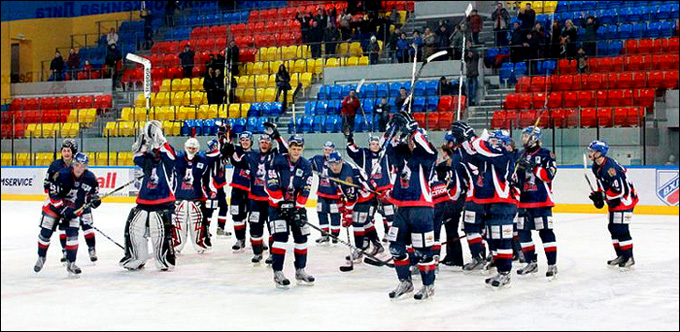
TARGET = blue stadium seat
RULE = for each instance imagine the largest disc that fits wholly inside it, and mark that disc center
(602, 32)
(276, 108)
(406, 85)
(420, 88)
(186, 128)
(664, 12)
(432, 103)
(505, 72)
(666, 29)
(240, 125)
(612, 32)
(255, 110)
(394, 89)
(547, 67)
(519, 71)
(382, 90)
(324, 92)
(607, 16)
(307, 123)
(625, 31)
(369, 90)
(640, 29)
(369, 105)
(310, 108)
(675, 10)
(260, 124)
(603, 48)
(336, 91)
(251, 125)
(431, 89)
(321, 107)
(393, 105)
(318, 123)
(419, 104)
(615, 47)
(329, 124)
(589, 5)
(359, 125)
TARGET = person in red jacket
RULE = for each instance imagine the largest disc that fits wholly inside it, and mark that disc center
(475, 24)
(350, 105)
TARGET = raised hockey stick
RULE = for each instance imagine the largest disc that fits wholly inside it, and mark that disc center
(87, 205)
(416, 77)
(363, 251)
(108, 238)
(361, 107)
(295, 94)
(585, 172)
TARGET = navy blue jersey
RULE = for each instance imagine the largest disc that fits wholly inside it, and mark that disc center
(351, 194)
(216, 164)
(159, 180)
(414, 172)
(193, 177)
(67, 190)
(255, 162)
(287, 181)
(469, 166)
(53, 171)
(240, 178)
(535, 184)
(613, 181)
(495, 170)
(368, 161)
(326, 188)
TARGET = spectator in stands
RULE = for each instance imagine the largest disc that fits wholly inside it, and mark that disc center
(282, 83)
(471, 72)
(331, 38)
(148, 28)
(233, 58)
(304, 24)
(474, 23)
(582, 60)
(395, 18)
(403, 47)
(170, 8)
(418, 43)
(500, 18)
(443, 88)
(445, 24)
(394, 39)
(113, 55)
(568, 40)
(542, 39)
(211, 62)
(516, 44)
(219, 61)
(528, 17)
(401, 98)
(88, 69)
(350, 106)
(530, 51)
(382, 110)
(73, 63)
(219, 87)
(345, 25)
(112, 37)
(209, 85)
(590, 36)
(443, 40)
(373, 50)
(332, 18)
(186, 59)
(457, 42)
(555, 39)
(57, 68)
(232, 91)
(321, 17)
(315, 37)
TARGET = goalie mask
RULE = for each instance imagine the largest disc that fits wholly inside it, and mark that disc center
(191, 147)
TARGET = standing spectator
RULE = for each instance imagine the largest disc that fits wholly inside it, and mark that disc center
(471, 72)
(418, 43)
(401, 99)
(582, 60)
(528, 17)
(568, 40)
(445, 24)
(395, 18)
(113, 56)
(443, 40)
(219, 62)
(170, 8)
(555, 39)
(57, 68)
(304, 25)
(457, 42)
(282, 83)
(73, 63)
(211, 62)
(112, 37)
(474, 22)
(530, 51)
(542, 39)
(350, 106)
(429, 43)
(590, 36)
(500, 18)
(403, 47)
(394, 39)
(331, 37)
(232, 89)
(88, 69)
(373, 50)
(444, 88)
(516, 42)
(209, 85)
(345, 28)
(315, 36)
(383, 112)
(148, 28)
(321, 18)
(186, 59)
(219, 87)
(233, 58)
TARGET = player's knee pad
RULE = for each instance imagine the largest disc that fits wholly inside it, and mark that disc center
(49, 222)
(499, 232)
(524, 236)
(45, 235)
(398, 251)
(422, 240)
(547, 235)
(620, 230)
(278, 226)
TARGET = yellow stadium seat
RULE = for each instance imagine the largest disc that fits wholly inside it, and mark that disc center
(72, 115)
(23, 159)
(245, 108)
(222, 111)
(185, 84)
(242, 82)
(288, 52)
(195, 98)
(202, 112)
(274, 53)
(6, 159)
(268, 96)
(248, 96)
(353, 61)
(90, 115)
(342, 49)
(274, 65)
(140, 101)
(158, 113)
(239, 94)
(30, 130)
(355, 49)
(318, 66)
(249, 68)
(166, 85)
(181, 113)
(402, 17)
(363, 61)
(140, 113)
(126, 113)
(125, 158)
(251, 82)
(311, 63)
(190, 111)
(304, 52)
(234, 111)
(125, 129)
(48, 130)
(300, 66)
(176, 85)
(306, 79)
(258, 97)
(261, 81)
(111, 129)
(332, 62)
(258, 68)
(294, 79)
(271, 82)
(177, 98)
(380, 45)
(176, 128)
(289, 96)
(162, 99)
(74, 130)
(196, 83)
(262, 54)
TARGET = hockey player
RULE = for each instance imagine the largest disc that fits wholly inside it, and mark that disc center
(328, 196)
(218, 181)
(381, 177)
(70, 190)
(288, 183)
(536, 169)
(193, 177)
(240, 188)
(415, 159)
(155, 202)
(615, 189)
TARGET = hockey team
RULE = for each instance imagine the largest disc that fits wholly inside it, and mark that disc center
(501, 195)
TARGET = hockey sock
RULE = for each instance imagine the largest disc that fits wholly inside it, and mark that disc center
(71, 244)
(503, 257)
(359, 234)
(475, 243)
(625, 240)
(256, 242)
(401, 265)
(89, 237)
(300, 255)
(278, 255)
(549, 245)
(427, 268)
(62, 239)
(436, 249)
(323, 221)
(221, 222)
(528, 247)
(412, 258)
(335, 224)
(240, 229)
(44, 241)
(372, 234)
(615, 240)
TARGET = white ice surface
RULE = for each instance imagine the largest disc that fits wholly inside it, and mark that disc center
(223, 290)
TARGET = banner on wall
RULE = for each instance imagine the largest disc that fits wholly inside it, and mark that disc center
(29, 180)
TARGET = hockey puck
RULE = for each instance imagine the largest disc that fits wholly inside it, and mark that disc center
(347, 268)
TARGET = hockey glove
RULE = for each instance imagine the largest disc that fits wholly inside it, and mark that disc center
(300, 217)
(270, 129)
(347, 217)
(69, 213)
(523, 164)
(287, 209)
(598, 199)
(614, 203)
(94, 201)
(350, 138)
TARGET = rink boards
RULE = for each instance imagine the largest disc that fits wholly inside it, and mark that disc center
(657, 187)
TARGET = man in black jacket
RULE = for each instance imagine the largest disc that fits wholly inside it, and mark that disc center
(186, 59)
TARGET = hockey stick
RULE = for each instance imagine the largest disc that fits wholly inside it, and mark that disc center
(107, 237)
(585, 173)
(350, 267)
(361, 107)
(370, 261)
(295, 94)
(416, 77)
(87, 205)
(362, 251)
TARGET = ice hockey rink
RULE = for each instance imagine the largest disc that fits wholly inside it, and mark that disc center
(223, 290)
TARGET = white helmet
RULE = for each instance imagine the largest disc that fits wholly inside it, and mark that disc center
(191, 147)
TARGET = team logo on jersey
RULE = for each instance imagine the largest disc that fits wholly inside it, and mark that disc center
(667, 187)
(612, 172)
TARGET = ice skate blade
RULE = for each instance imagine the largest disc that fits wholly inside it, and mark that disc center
(303, 283)
(551, 279)
(624, 269)
(282, 287)
(498, 288)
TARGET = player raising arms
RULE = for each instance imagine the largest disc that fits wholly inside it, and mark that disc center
(328, 196)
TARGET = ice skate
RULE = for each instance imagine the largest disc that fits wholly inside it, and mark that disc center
(63, 257)
(414, 270)
(405, 286)
(475, 265)
(551, 274)
(303, 278)
(356, 257)
(239, 246)
(39, 264)
(324, 239)
(334, 240)
(377, 249)
(93, 254)
(73, 269)
(529, 268)
(269, 260)
(256, 259)
(615, 262)
(424, 293)
(626, 264)
(500, 280)
(281, 280)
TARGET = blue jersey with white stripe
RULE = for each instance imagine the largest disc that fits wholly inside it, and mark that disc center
(414, 171)
(159, 180)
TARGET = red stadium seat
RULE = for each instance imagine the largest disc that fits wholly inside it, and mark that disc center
(588, 117)
(618, 63)
(613, 79)
(566, 66)
(593, 65)
(564, 83)
(221, 43)
(630, 47)
(445, 104)
(637, 62)
(158, 73)
(570, 99)
(527, 118)
(84, 102)
(539, 100)
(433, 120)
(604, 117)
(620, 117)
(523, 84)
(49, 103)
(635, 116)
(446, 120)
(673, 45)
(655, 79)
(601, 98)
(625, 80)
(498, 120)
(525, 101)
(64, 103)
(660, 45)
(605, 64)
(586, 98)
(511, 101)
(175, 72)
(614, 97)
(645, 46)
(558, 118)
(592, 81)
(626, 97)
(670, 80)
(538, 84)
(420, 118)
(511, 119)
(104, 101)
(638, 79)
(668, 62)
(644, 97)
(555, 99)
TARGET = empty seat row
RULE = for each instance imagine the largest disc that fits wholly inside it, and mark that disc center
(634, 79)
(131, 128)
(56, 103)
(180, 98)
(588, 98)
(269, 81)
(46, 158)
(570, 118)
(48, 130)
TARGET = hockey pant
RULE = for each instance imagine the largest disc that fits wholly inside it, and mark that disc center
(448, 214)
(48, 224)
(498, 219)
(327, 210)
(239, 212)
(414, 225)
(362, 223)
(473, 225)
(619, 229)
(149, 223)
(85, 225)
(222, 207)
(258, 218)
(281, 228)
(541, 220)
(188, 219)
(386, 210)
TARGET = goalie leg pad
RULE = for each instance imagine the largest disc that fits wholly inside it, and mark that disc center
(159, 229)
(136, 230)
